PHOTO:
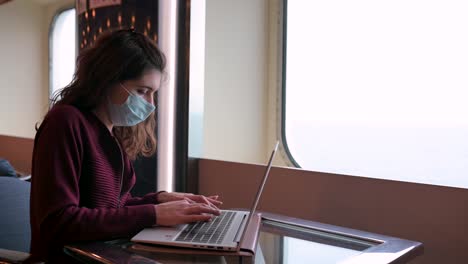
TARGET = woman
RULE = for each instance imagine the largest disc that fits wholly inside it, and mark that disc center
(81, 172)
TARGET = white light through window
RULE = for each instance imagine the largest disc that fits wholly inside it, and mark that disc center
(379, 88)
(63, 50)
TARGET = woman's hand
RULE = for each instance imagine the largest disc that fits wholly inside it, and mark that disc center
(212, 201)
(183, 212)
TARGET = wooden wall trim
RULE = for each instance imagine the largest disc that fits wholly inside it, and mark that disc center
(18, 151)
(434, 215)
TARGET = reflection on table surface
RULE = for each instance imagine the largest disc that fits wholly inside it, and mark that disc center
(281, 240)
(272, 248)
(283, 249)
(307, 246)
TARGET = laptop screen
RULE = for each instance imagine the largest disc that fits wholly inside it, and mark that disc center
(259, 193)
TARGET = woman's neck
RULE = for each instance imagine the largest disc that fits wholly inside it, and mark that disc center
(101, 113)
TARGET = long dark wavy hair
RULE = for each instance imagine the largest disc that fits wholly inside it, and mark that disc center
(115, 57)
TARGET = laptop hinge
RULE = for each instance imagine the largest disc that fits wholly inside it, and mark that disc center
(238, 233)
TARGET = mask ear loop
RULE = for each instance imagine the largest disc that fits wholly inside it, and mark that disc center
(125, 89)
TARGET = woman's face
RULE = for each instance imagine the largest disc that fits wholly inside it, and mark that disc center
(146, 87)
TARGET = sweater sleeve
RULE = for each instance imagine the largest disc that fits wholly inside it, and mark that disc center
(55, 195)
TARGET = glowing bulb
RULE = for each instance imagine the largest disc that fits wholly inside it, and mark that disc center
(93, 13)
(108, 23)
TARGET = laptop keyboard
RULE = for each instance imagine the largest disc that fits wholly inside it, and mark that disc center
(211, 232)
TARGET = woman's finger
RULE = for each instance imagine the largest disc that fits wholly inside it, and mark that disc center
(190, 201)
(201, 209)
(197, 198)
(206, 200)
(214, 201)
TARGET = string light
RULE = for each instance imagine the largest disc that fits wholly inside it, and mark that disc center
(92, 26)
(148, 24)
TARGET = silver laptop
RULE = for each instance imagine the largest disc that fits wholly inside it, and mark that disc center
(224, 232)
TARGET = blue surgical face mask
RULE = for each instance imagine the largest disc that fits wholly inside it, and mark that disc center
(132, 112)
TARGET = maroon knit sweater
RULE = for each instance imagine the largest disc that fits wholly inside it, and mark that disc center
(80, 185)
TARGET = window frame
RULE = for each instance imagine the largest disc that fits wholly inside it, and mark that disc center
(51, 46)
(283, 38)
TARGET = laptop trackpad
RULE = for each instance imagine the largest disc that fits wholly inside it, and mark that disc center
(158, 233)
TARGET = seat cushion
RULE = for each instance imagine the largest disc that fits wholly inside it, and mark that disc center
(15, 233)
